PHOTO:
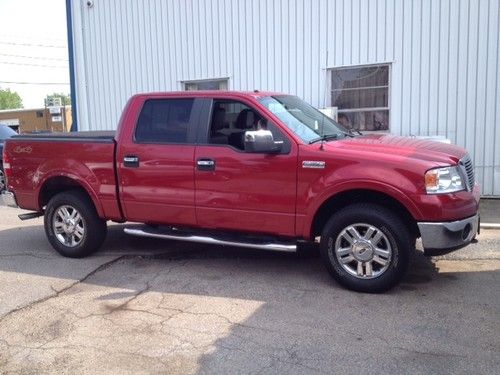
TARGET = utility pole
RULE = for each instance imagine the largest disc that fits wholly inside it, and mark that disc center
(45, 114)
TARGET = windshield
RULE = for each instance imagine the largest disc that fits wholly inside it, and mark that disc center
(6, 132)
(303, 119)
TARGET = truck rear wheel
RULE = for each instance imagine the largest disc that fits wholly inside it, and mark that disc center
(73, 226)
(366, 248)
(2, 178)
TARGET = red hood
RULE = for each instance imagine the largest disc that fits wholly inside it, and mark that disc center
(409, 147)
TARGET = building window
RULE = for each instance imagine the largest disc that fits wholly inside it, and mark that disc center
(164, 121)
(208, 84)
(39, 114)
(361, 95)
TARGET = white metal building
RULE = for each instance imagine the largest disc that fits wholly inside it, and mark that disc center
(410, 67)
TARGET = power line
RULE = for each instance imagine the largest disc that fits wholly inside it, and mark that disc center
(33, 57)
(36, 83)
(32, 45)
(38, 65)
(31, 37)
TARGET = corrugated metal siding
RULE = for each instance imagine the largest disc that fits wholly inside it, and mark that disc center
(444, 58)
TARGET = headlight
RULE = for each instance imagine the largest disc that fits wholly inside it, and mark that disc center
(443, 180)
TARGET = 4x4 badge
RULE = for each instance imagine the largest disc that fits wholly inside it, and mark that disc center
(23, 150)
(313, 164)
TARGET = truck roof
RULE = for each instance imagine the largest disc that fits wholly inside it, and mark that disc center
(211, 93)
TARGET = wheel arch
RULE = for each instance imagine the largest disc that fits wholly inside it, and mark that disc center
(61, 183)
(345, 198)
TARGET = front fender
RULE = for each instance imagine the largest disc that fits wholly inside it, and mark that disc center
(343, 177)
(377, 186)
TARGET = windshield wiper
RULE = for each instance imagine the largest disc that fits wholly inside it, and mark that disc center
(326, 137)
(354, 132)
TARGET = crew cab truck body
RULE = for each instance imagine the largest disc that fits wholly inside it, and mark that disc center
(253, 169)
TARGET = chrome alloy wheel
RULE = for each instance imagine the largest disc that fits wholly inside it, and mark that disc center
(2, 180)
(363, 250)
(68, 226)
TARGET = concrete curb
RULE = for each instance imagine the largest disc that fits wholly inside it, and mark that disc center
(490, 226)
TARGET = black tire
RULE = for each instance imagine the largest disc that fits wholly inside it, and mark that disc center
(396, 238)
(94, 228)
(2, 178)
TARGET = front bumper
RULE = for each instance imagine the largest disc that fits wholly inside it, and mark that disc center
(9, 199)
(450, 235)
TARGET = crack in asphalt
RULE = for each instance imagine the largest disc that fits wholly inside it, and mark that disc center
(289, 355)
(432, 354)
(58, 292)
(123, 306)
(48, 257)
(274, 359)
(296, 361)
(92, 347)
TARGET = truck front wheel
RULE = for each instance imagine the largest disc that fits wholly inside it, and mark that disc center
(366, 247)
(72, 224)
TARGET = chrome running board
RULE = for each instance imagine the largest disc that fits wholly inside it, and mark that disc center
(211, 238)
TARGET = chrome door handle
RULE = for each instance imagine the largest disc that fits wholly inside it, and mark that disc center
(131, 161)
(205, 164)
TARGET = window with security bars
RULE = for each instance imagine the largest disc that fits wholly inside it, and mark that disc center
(361, 95)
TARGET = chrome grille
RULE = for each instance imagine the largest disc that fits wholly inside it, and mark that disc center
(468, 169)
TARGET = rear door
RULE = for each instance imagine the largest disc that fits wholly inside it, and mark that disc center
(156, 162)
(242, 191)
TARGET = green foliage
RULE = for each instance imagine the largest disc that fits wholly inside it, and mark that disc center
(65, 98)
(10, 99)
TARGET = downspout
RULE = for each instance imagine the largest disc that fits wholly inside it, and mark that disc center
(69, 27)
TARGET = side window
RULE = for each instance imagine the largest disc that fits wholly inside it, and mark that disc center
(164, 121)
(230, 120)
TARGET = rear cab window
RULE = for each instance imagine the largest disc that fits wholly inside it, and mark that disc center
(164, 121)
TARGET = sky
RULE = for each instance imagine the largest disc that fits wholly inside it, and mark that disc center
(33, 49)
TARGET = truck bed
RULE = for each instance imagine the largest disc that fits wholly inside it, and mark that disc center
(87, 158)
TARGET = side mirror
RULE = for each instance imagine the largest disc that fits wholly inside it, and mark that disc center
(261, 141)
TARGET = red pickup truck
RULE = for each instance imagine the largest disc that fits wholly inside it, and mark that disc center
(252, 169)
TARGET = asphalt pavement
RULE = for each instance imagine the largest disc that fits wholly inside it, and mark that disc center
(153, 306)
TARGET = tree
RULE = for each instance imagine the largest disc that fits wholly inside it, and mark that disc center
(10, 99)
(65, 98)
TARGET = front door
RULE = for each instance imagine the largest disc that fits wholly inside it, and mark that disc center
(242, 191)
(156, 163)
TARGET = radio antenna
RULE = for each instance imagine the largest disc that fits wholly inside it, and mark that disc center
(324, 102)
